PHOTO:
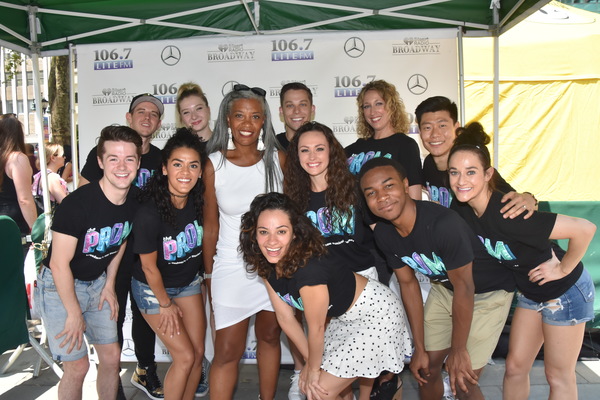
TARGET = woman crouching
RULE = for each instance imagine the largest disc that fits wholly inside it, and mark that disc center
(367, 333)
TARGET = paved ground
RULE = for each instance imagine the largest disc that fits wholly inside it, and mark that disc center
(18, 383)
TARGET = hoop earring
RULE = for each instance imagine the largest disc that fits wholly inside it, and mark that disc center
(230, 144)
(260, 146)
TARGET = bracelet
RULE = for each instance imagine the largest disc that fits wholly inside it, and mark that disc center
(207, 276)
(169, 304)
(534, 199)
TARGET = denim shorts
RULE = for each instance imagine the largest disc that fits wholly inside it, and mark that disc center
(575, 306)
(148, 303)
(99, 328)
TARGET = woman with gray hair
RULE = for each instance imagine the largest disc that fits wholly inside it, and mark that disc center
(244, 161)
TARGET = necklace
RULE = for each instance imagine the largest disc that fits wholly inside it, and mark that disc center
(181, 196)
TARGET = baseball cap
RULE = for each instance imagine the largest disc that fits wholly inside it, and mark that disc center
(140, 98)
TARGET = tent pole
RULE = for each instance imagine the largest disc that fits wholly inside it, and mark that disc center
(496, 16)
(461, 75)
(74, 142)
(39, 121)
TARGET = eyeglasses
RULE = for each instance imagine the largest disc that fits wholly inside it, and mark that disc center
(256, 90)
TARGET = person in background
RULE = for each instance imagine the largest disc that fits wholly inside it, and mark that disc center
(33, 158)
(144, 116)
(438, 128)
(16, 200)
(355, 325)
(556, 294)
(193, 111)
(382, 126)
(66, 172)
(75, 290)
(243, 162)
(296, 108)
(167, 232)
(57, 187)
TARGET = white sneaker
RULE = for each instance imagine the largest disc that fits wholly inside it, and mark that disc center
(294, 392)
(447, 389)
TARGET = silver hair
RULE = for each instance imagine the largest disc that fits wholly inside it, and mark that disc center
(218, 140)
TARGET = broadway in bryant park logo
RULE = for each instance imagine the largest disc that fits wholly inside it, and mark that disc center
(416, 45)
(112, 96)
(230, 52)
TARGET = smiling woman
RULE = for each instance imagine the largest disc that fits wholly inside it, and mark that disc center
(244, 161)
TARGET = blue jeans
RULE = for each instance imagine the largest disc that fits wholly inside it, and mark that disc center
(147, 301)
(99, 328)
(575, 306)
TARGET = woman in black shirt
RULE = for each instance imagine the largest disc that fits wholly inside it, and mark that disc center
(556, 294)
(366, 332)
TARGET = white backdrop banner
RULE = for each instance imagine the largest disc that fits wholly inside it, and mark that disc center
(334, 65)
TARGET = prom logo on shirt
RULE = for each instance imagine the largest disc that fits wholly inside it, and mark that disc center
(338, 224)
(440, 195)
(100, 241)
(184, 242)
(290, 301)
(500, 252)
(144, 175)
(433, 267)
(356, 161)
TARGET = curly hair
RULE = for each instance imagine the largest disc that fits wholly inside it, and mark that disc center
(157, 187)
(341, 193)
(218, 140)
(307, 241)
(393, 104)
(186, 90)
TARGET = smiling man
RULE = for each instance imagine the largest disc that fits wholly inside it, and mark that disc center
(76, 284)
(470, 293)
(296, 108)
(144, 117)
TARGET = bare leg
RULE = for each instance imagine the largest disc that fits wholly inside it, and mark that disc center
(434, 388)
(229, 347)
(109, 364)
(561, 349)
(194, 321)
(473, 391)
(71, 384)
(526, 338)
(268, 353)
(364, 388)
(334, 385)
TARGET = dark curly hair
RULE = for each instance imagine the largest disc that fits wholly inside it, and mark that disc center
(474, 139)
(157, 187)
(307, 241)
(341, 194)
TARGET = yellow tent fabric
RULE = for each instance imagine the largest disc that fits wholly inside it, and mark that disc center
(549, 101)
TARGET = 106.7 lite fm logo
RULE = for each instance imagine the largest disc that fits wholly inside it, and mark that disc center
(105, 59)
(350, 86)
(291, 50)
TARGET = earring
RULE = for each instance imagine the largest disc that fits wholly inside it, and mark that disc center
(260, 146)
(230, 144)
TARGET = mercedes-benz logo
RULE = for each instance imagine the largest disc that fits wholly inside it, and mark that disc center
(228, 87)
(170, 55)
(417, 84)
(354, 47)
(128, 347)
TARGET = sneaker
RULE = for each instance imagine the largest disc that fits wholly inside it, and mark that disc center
(447, 389)
(388, 390)
(294, 392)
(145, 379)
(202, 389)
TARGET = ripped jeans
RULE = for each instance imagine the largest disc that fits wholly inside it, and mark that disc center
(575, 306)
(148, 303)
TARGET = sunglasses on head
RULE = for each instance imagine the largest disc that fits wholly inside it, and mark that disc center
(256, 90)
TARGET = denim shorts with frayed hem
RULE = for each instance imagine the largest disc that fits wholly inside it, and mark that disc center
(99, 328)
(148, 303)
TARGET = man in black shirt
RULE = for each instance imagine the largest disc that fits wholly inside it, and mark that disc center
(296, 109)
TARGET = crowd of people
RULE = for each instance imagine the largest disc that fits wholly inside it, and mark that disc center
(304, 235)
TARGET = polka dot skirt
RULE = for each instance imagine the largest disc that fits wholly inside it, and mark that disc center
(369, 338)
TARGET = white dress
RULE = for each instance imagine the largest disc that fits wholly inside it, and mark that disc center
(236, 294)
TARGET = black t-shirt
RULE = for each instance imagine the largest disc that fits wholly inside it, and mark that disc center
(149, 164)
(438, 183)
(399, 147)
(340, 282)
(520, 244)
(441, 241)
(178, 249)
(283, 140)
(349, 240)
(99, 226)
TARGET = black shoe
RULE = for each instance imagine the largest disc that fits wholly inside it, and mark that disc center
(145, 379)
(387, 390)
